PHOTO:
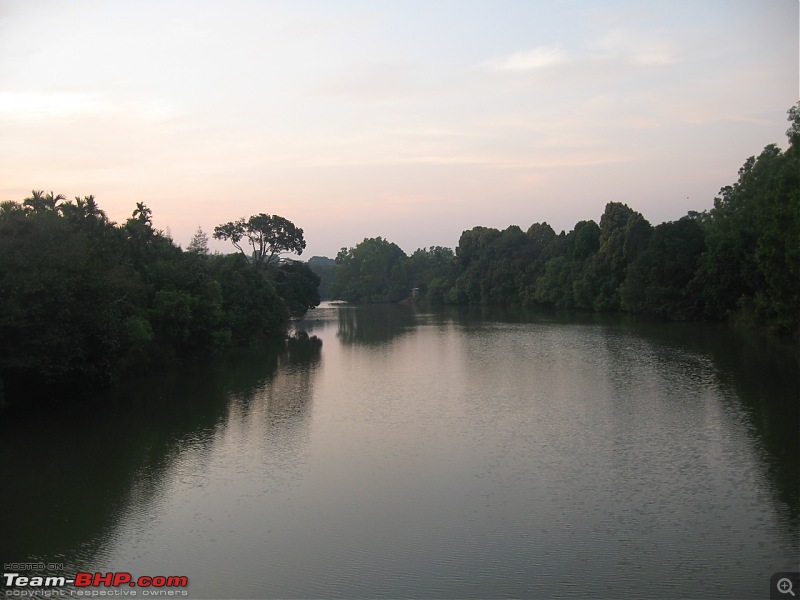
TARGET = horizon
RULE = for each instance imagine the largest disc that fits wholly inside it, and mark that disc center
(407, 121)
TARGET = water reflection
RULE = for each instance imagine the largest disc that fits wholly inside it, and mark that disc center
(75, 471)
(373, 325)
(431, 453)
(756, 375)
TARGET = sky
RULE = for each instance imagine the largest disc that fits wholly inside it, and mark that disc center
(410, 120)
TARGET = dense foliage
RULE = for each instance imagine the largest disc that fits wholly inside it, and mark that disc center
(83, 299)
(324, 268)
(739, 261)
(377, 270)
(267, 236)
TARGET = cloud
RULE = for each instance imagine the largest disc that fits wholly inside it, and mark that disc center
(529, 60)
(58, 105)
(642, 48)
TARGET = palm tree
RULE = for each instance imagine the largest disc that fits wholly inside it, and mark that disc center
(9, 208)
(83, 209)
(93, 211)
(143, 214)
(41, 202)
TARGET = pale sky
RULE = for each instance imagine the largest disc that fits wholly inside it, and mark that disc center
(410, 120)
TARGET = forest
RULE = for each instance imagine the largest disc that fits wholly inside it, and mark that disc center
(85, 301)
(738, 261)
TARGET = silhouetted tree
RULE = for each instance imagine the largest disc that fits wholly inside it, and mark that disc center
(268, 236)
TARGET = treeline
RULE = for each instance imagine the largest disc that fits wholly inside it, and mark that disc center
(739, 260)
(83, 299)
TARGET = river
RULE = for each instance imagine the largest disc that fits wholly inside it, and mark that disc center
(429, 454)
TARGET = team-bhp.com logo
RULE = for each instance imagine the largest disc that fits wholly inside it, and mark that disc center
(95, 580)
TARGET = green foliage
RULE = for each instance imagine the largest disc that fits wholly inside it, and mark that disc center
(138, 332)
(497, 267)
(623, 235)
(184, 321)
(199, 242)
(57, 311)
(584, 240)
(661, 280)
(325, 269)
(426, 270)
(85, 300)
(370, 272)
(298, 286)
(555, 286)
(267, 235)
(751, 269)
(740, 260)
(252, 309)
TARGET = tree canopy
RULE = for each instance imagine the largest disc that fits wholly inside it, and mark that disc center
(84, 300)
(739, 261)
(267, 235)
(369, 272)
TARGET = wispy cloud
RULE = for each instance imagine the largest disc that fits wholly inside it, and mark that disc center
(38, 105)
(56, 105)
(642, 48)
(620, 46)
(529, 60)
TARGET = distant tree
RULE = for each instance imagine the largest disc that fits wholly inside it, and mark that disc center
(83, 210)
(298, 287)
(428, 270)
(268, 236)
(199, 243)
(585, 240)
(143, 214)
(660, 280)
(541, 235)
(624, 234)
(370, 272)
(499, 267)
(252, 308)
(325, 269)
(38, 201)
(751, 269)
(85, 301)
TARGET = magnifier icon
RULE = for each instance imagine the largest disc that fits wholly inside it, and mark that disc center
(785, 586)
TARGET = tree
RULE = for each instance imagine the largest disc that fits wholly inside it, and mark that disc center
(84, 210)
(370, 272)
(143, 214)
(624, 234)
(660, 280)
(199, 243)
(84, 301)
(298, 287)
(267, 235)
(325, 269)
(427, 270)
(41, 202)
(751, 268)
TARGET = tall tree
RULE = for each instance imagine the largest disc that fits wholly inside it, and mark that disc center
(38, 201)
(199, 243)
(370, 272)
(268, 236)
(751, 269)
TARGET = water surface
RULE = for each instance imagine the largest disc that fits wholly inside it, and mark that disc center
(431, 454)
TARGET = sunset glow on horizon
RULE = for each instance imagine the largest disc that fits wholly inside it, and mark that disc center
(408, 120)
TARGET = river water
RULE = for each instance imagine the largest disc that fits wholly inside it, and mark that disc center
(430, 454)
